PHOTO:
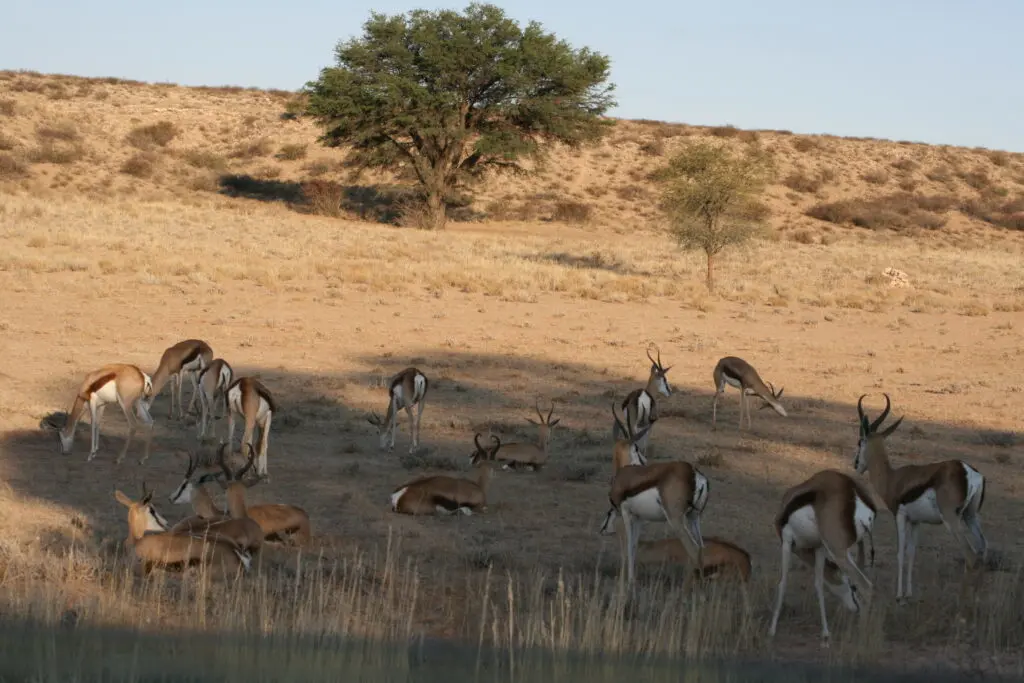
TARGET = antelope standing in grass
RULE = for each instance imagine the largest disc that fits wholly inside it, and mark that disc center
(278, 521)
(672, 492)
(640, 406)
(949, 492)
(155, 547)
(720, 557)
(819, 521)
(449, 495)
(120, 383)
(248, 397)
(213, 383)
(528, 455)
(187, 357)
(406, 390)
(736, 372)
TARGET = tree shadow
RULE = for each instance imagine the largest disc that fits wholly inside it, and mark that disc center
(595, 261)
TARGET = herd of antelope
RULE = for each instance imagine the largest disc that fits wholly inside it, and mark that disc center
(819, 521)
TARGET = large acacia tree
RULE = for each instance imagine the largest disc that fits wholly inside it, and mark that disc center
(450, 95)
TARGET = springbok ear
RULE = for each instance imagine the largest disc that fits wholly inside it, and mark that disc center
(555, 422)
(122, 499)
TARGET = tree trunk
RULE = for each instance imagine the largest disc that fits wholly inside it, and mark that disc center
(710, 277)
(434, 216)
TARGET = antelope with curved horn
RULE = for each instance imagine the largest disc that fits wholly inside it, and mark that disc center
(156, 547)
(527, 455)
(736, 372)
(670, 492)
(444, 494)
(949, 492)
(120, 383)
(278, 521)
(819, 521)
(248, 397)
(626, 450)
(408, 390)
(640, 406)
(213, 384)
(194, 491)
(188, 357)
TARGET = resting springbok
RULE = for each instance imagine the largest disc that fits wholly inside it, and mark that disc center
(736, 372)
(670, 492)
(187, 357)
(193, 490)
(528, 455)
(407, 389)
(443, 494)
(949, 492)
(248, 397)
(120, 383)
(158, 548)
(819, 521)
(721, 557)
(213, 382)
(278, 521)
(640, 406)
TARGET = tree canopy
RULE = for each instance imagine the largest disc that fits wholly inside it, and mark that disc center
(710, 197)
(450, 95)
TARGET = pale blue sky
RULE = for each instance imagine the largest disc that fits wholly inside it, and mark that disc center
(939, 71)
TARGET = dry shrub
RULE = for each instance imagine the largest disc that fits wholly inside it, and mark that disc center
(251, 150)
(631, 193)
(12, 167)
(726, 131)
(875, 177)
(324, 197)
(569, 211)
(140, 165)
(292, 152)
(939, 174)
(906, 164)
(899, 211)
(802, 144)
(7, 143)
(801, 182)
(908, 184)
(65, 132)
(159, 134)
(996, 211)
(57, 152)
(803, 237)
(8, 107)
(654, 147)
(978, 179)
(199, 158)
(999, 158)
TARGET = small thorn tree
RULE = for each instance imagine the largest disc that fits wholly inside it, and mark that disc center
(710, 197)
(449, 95)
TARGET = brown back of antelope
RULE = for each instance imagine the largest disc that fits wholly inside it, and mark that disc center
(425, 495)
(528, 454)
(720, 557)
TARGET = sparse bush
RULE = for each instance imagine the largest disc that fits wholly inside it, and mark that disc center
(654, 147)
(803, 144)
(56, 152)
(139, 165)
(66, 132)
(569, 211)
(801, 182)
(875, 177)
(999, 158)
(726, 131)
(631, 193)
(939, 174)
(251, 150)
(8, 107)
(159, 134)
(11, 167)
(906, 164)
(908, 184)
(7, 143)
(292, 152)
(803, 237)
(893, 212)
(198, 158)
(977, 179)
(324, 197)
(994, 210)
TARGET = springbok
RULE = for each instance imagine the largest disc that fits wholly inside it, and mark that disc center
(407, 389)
(639, 406)
(444, 494)
(518, 455)
(736, 372)
(187, 357)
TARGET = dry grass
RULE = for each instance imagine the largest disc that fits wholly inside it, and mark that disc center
(101, 266)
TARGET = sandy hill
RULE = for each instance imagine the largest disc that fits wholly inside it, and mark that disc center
(110, 137)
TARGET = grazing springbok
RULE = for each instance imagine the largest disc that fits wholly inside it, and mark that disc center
(407, 389)
(819, 521)
(155, 547)
(672, 492)
(530, 456)
(120, 383)
(250, 399)
(449, 495)
(213, 383)
(639, 406)
(736, 372)
(187, 357)
(949, 492)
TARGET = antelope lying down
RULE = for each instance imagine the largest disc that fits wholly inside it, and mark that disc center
(449, 495)
(530, 456)
(155, 547)
(720, 557)
(819, 521)
(120, 383)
